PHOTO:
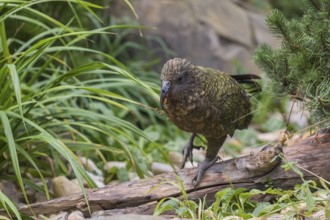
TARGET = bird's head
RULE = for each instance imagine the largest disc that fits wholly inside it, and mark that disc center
(175, 78)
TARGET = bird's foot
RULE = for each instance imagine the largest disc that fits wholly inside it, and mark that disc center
(188, 151)
(204, 165)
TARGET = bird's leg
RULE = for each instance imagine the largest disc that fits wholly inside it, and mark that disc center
(188, 150)
(213, 146)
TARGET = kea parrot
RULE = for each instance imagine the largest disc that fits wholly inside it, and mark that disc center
(205, 101)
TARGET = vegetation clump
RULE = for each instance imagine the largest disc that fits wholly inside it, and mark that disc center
(301, 67)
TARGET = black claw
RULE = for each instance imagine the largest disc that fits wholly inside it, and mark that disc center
(197, 178)
(191, 157)
(188, 151)
(202, 167)
(183, 164)
(195, 181)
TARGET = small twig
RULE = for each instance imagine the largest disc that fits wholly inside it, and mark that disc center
(315, 5)
(286, 132)
(314, 174)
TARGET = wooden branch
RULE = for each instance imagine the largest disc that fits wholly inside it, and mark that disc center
(250, 171)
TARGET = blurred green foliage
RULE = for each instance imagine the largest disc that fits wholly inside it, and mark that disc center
(71, 88)
(300, 67)
(291, 9)
(75, 82)
(241, 203)
(303, 200)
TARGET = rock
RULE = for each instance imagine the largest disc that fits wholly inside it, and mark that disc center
(114, 182)
(31, 194)
(64, 187)
(59, 216)
(99, 180)
(175, 158)
(320, 215)
(76, 215)
(111, 164)
(100, 216)
(261, 32)
(40, 197)
(133, 176)
(11, 191)
(217, 34)
(159, 168)
(90, 166)
(227, 20)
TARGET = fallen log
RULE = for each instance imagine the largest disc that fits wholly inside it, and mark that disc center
(252, 171)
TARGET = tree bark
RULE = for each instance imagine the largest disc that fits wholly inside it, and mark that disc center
(253, 171)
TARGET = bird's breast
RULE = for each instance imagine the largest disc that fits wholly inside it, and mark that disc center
(188, 111)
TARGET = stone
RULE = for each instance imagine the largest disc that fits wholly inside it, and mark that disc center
(260, 31)
(100, 216)
(90, 166)
(76, 215)
(159, 168)
(217, 34)
(58, 216)
(175, 157)
(11, 191)
(226, 19)
(117, 164)
(64, 187)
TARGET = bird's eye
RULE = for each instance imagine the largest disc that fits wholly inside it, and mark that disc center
(180, 78)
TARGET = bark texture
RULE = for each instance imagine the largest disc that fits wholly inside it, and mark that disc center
(252, 171)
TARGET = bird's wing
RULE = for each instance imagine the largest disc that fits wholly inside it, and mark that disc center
(232, 106)
(235, 112)
(225, 116)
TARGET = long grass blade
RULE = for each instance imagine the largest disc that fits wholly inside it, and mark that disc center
(12, 151)
(17, 87)
(9, 206)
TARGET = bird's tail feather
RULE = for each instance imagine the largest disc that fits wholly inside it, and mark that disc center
(249, 82)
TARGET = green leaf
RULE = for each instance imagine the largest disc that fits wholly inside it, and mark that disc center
(244, 196)
(12, 151)
(310, 201)
(9, 206)
(292, 165)
(261, 209)
(17, 87)
(327, 210)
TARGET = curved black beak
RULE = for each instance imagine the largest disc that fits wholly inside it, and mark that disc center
(164, 91)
